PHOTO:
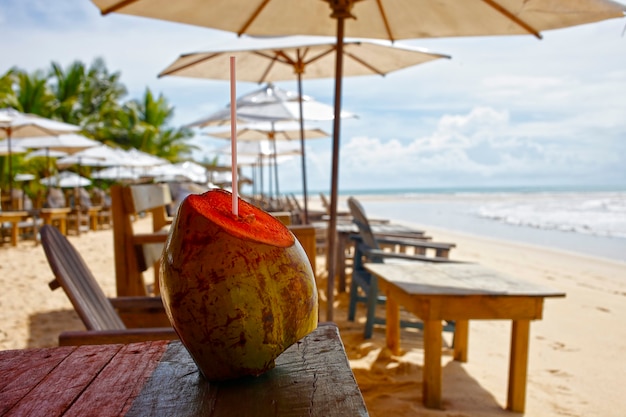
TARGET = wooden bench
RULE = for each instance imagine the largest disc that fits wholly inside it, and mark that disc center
(136, 252)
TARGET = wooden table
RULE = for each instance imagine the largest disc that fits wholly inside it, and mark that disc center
(312, 377)
(50, 215)
(13, 217)
(460, 292)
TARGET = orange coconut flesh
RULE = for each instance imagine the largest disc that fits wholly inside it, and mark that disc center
(252, 223)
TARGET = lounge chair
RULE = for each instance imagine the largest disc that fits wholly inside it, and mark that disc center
(368, 249)
(107, 320)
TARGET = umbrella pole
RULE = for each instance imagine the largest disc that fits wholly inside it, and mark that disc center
(332, 224)
(10, 169)
(304, 186)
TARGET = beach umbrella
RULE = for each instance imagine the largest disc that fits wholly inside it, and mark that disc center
(117, 173)
(15, 124)
(68, 143)
(274, 104)
(97, 156)
(263, 153)
(41, 153)
(277, 131)
(6, 149)
(279, 59)
(288, 131)
(65, 179)
(381, 19)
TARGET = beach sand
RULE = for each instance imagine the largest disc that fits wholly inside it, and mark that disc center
(576, 359)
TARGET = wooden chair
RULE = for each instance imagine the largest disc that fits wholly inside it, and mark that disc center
(368, 249)
(136, 252)
(102, 199)
(107, 320)
(84, 214)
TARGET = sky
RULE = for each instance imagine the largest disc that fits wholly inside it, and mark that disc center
(503, 111)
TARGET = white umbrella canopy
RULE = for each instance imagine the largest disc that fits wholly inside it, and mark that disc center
(39, 153)
(15, 124)
(68, 142)
(116, 173)
(264, 60)
(382, 19)
(189, 171)
(265, 153)
(272, 103)
(288, 131)
(66, 179)
(4, 148)
(101, 155)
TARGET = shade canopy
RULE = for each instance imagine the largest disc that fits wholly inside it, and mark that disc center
(272, 103)
(66, 179)
(264, 60)
(382, 19)
(288, 131)
(68, 142)
(15, 124)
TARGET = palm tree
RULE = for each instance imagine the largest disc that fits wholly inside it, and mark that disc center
(146, 127)
(8, 98)
(33, 93)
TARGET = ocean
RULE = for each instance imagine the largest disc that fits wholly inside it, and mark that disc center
(589, 221)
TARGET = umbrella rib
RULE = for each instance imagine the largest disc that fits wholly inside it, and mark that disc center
(383, 15)
(365, 64)
(321, 55)
(117, 6)
(513, 18)
(252, 18)
(191, 64)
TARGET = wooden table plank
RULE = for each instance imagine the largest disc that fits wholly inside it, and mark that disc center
(114, 389)
(59, 389)
(312, 378)
(21, 371)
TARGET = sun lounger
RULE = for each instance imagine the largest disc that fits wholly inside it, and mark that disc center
(107, 320)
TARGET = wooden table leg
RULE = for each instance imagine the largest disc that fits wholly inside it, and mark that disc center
(461, 336)
(518, 365)
(93, 221)
(392, 325)
(341, 260)
(432, 363)
(63, 226)
(15, 233)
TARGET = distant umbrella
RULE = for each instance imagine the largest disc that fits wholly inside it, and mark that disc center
(14, 124)
(66, 179)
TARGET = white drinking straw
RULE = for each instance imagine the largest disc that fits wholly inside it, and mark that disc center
(233, 134)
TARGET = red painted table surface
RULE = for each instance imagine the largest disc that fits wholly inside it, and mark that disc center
(311, 378)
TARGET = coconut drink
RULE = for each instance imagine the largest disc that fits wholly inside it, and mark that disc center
(238, 289)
